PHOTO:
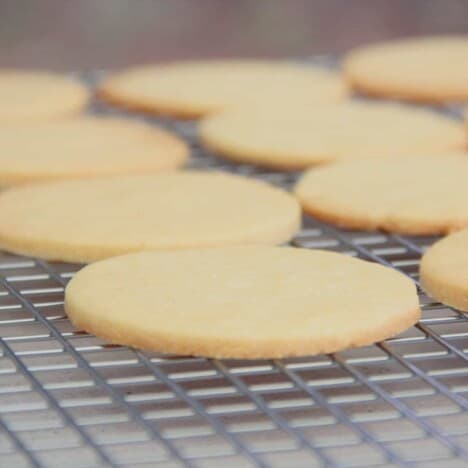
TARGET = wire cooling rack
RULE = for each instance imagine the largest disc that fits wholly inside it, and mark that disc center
(69, 399)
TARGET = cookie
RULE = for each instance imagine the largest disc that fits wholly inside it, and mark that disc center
(298, 136)
(194, 89)
(27, 96)
(86, 220)
(241, 302)
(444, 270)
(405, 195)
(86, 147)
(425, 69)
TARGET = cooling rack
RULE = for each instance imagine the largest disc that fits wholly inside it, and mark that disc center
(69, 399)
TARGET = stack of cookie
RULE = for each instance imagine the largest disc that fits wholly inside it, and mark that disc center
(195, 268)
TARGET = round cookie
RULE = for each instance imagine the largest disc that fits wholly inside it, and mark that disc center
(36, 96)
(298, 136)
(241, 302)
(444, 270)
(86, 220)
(194, 89)
(427, 69)
(86, 147)
(405, 195)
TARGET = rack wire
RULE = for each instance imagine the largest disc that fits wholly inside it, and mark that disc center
(69, 399)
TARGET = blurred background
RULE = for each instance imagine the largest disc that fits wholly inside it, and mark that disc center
(85, 34)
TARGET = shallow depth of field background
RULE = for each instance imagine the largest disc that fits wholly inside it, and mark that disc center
(85, 34)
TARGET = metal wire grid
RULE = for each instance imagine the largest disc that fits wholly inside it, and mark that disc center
(67, 398)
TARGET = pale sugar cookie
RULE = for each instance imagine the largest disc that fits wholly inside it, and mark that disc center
(86, 220)
(193, 89)
(241, 302)
(86, 147)
(427, 69)
(407, 195)
(27, 96)
(444, 270)
(298, 135)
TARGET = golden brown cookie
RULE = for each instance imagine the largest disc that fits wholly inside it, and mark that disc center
(241, 302)
(297, 136)
(444, 270)
(194, 89)
(35, 96)
(86, 220)
(428, 69)
(86, 147)
(406, 195)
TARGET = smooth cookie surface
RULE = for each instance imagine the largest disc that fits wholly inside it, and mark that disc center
(297, 135)
(86, 220)
(241, 302)
(428, 69)
(86, 147)
(406, 195)
(194, 89)
(444, 270)
(35, 96)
